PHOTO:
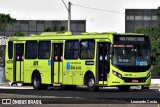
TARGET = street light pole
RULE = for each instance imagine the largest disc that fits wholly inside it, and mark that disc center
(69, 14)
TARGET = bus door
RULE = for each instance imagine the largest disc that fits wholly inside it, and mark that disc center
(56, 68)
(103, 62)
(18, 62)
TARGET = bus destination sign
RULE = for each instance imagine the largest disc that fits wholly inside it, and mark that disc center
(140, 39)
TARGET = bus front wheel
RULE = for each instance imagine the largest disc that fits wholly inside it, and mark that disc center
(36, 81)
(90, 82)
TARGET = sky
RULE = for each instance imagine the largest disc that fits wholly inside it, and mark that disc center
(96, 20)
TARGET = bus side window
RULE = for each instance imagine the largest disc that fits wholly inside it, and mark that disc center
(87, 49)
(31, 50)
(72, 49)
(10, 49)
(47, 55)
(44, 49)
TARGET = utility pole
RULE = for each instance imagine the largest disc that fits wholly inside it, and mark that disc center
(69, 14)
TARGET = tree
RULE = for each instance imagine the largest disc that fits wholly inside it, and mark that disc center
(5, 20)
(54, 28)
(48, 29)
(19, 34)
(62, 28)
(154, 35)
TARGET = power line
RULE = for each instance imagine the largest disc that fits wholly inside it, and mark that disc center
(65, 4)
(97, 9)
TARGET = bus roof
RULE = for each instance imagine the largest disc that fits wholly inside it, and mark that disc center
(68, 35)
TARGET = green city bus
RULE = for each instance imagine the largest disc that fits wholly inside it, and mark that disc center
(91, 59)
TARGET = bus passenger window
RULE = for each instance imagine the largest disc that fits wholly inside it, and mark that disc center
(72, 49)
(87, 49)
(47, 55)
(44, 48)
(31, 50)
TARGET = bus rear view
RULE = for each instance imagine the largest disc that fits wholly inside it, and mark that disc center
(131, 62)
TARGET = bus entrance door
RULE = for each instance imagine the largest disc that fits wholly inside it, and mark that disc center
(103, 61)
(57, 50)
(18, 62)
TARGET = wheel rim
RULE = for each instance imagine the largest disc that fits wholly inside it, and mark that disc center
(36, 81)
(91, 82)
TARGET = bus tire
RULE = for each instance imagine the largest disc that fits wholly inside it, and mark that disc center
(14, 84)
(36, 81)
(124, 88)
(90, 82)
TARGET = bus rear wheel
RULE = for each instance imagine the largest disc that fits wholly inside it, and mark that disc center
(124, 88)
(90, 82)
(36, 82)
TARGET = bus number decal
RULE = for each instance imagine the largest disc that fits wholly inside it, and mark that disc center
(89, 63)
(9, 61)
(35, 63)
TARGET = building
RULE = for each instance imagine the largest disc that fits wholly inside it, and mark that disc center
(38, 26)
(139, 18)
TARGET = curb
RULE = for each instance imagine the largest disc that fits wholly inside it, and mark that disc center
(155, 86)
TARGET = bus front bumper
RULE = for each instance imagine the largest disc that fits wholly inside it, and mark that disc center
(130, 81)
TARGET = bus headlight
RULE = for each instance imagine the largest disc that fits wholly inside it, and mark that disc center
(117, 74)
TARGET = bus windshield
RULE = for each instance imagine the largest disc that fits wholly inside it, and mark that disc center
(131, 54)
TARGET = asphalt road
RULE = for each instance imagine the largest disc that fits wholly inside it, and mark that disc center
(82, 96)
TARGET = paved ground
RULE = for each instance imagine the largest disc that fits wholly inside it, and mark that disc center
(107, 97)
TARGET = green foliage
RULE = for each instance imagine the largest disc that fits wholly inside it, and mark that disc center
(62, 28)
(154, 35)
(48, 29)
(54, 28)
(6, 19)
(19, 34)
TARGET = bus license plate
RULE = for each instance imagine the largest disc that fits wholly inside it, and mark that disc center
(134, 80)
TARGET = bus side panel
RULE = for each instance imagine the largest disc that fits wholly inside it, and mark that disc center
(28, 70)
(65, 77)
(44, 67)
(74, 71)
(70, 78)
(77, 78)
(9, 70)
